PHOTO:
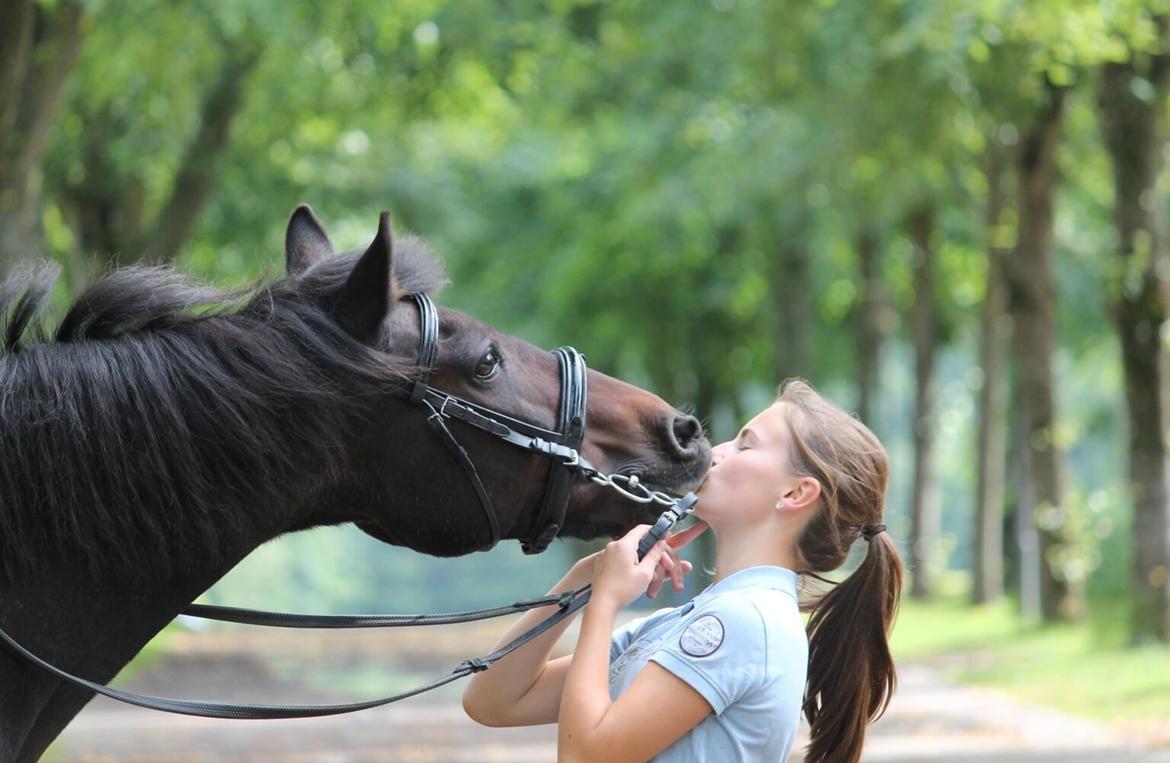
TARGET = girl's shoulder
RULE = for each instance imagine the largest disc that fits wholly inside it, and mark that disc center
(771, 591)
(766, 624)
(765, 609)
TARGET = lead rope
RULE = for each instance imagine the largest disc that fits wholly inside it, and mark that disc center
(568, 603)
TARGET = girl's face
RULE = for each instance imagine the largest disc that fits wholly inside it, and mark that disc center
(750, 474)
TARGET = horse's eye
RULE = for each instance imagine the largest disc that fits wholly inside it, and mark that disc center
(489, 365)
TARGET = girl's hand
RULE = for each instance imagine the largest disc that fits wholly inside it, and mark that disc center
(618, 576)
(671, 565)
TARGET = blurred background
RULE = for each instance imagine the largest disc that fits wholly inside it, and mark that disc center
(948, 216)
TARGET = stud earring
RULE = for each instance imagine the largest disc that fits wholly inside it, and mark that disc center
(779, 505)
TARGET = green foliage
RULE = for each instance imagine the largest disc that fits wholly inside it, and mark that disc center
(622, 176)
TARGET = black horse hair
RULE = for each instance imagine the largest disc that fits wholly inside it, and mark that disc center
(137, 434)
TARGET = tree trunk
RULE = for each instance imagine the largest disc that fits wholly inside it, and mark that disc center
(1032, 302)
(1027, 544)
(1134, 130)
(16, 33)
(790, 289)
(197, 174)
(106, 210)
(989, 479)
(924, 325)
(33, 73)
(875, 321)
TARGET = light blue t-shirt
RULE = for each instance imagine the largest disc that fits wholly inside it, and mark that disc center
(741, 644)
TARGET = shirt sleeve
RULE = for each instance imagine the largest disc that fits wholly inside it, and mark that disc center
(720, 651)
(625, 635)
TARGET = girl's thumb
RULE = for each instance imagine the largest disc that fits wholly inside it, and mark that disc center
(655, 553)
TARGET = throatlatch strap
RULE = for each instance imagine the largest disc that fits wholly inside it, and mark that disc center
(436, 421)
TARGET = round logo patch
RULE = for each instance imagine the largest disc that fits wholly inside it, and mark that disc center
(702, 637)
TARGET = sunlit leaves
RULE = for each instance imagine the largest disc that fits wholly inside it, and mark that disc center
(624, 175)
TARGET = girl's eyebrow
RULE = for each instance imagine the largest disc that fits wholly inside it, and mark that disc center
(747, 432)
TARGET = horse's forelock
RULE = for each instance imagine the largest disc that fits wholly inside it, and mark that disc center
(416, 267)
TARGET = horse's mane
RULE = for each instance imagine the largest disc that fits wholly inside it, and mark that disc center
(132, 434)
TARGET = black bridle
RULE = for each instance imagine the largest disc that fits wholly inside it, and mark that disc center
(563, 446)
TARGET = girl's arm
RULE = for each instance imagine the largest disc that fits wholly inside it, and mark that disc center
(524, 688)
(655, 710)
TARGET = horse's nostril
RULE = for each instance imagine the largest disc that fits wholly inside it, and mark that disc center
(686, 430)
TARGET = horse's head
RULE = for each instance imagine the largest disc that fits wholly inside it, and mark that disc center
(411, 488)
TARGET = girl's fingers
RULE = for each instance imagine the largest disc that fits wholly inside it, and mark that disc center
(675, 569)
(660, 573)
(653, 557)
(676, 575)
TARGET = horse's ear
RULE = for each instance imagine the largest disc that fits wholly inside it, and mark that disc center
(305, 242)
(364, 301)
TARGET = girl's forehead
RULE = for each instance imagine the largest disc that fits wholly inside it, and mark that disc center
(770, 423)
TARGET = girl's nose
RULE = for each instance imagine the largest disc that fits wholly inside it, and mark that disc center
(717, 453)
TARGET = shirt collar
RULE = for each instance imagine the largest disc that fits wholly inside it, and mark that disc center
(763, 576)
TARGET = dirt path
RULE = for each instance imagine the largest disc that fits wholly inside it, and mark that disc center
(933, 720)
(930, 720)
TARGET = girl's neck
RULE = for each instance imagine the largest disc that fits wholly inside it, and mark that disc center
(740, 548)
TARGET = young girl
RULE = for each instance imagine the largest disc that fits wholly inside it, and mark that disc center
(725, 676)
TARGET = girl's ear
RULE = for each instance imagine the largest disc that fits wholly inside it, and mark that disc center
(803, 494)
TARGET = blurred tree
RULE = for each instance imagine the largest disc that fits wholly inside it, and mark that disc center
(873, 319)
(1032, 303)
(141, 153)
(705, 197)
(924, 508)
(39, 45)
(987, 556)
(1132, 98)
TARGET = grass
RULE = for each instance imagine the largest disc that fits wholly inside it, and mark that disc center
(1084, 668)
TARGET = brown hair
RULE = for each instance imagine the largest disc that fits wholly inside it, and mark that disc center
(851, 674)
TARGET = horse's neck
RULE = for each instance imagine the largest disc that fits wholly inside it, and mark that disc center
(91, 629)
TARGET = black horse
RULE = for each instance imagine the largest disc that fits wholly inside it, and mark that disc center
(164, 430)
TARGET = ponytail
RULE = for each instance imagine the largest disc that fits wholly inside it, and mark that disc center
(851, 675)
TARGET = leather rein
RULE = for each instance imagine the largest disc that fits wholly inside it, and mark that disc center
(561, 446)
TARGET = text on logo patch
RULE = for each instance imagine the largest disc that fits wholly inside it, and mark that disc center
(702, 637)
